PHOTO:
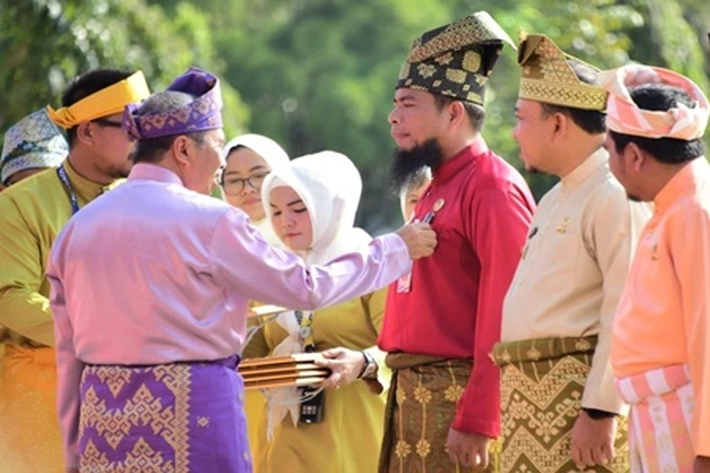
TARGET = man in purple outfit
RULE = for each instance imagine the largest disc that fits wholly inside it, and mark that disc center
(150, 286)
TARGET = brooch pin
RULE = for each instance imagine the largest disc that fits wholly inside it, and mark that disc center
(438, 205)
(562, 228)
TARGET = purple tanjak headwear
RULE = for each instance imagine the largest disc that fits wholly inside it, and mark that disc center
(201, 114)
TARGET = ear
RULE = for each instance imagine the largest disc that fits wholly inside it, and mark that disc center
(181, 150)
(456, 113)
(560, 124)
(636, 156)
(85, 133)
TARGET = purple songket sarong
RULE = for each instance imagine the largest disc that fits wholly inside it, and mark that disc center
(181, 417)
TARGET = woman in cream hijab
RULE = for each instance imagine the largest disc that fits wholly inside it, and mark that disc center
(249, 159)
(312, 204)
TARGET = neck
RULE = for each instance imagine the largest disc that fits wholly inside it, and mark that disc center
(577, 151)
(662, 176)
(453, 147)
(84, 166)
(171, 165)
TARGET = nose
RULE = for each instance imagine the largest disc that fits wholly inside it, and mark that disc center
(247, 189)
(393, 117)
(514, 132)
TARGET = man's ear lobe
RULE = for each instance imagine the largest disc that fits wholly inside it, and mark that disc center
(180, 149)
(456, 111)
(561, 122)
(84, 132)
(637, 155)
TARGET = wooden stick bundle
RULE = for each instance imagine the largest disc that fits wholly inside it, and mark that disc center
(277, 372)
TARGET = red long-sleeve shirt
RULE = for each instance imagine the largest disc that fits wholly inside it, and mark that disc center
(454, 304)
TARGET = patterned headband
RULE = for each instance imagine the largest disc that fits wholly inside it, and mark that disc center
(455, 60)
(107, 101)
(33, 142)
(548, 77)
(202, 114)
(624, 116)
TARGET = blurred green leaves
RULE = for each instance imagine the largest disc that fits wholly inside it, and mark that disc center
(319, 74)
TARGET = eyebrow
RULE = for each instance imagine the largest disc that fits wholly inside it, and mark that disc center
(294, 202)
(404, 98)
(255, 168)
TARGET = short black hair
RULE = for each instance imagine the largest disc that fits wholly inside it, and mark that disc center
(88, 84)
(591, 121)
(151, 150)
(476, 113)
(661, 97)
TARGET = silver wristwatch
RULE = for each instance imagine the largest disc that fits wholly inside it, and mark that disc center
(369, 368)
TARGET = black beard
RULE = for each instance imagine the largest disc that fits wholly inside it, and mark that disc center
(408, 164)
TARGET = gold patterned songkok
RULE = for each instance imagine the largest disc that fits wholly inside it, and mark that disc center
(455, 60)
(548, 77)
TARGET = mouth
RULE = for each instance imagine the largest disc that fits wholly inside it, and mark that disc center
(399, 136)
(291, 235)
(252, 201)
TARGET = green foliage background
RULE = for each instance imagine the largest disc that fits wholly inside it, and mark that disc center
(319, 74)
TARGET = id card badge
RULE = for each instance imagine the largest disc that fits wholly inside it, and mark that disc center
(312, 408)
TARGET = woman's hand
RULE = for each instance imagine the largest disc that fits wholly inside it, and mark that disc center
(345, 366)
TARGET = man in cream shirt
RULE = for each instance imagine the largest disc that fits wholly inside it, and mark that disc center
(560, 408)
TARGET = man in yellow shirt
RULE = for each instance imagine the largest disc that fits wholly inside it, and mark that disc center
(32, 213)
(661, 331)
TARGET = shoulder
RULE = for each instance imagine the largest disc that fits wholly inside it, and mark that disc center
(42, 185)
(30, 196)
(606, 195)
(494, 172)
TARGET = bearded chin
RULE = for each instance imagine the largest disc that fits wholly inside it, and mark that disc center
(407, 164)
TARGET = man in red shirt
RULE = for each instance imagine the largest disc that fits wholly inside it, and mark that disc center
(442, 321)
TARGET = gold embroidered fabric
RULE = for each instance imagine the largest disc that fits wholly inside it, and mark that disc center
(455, 60)
(542, 382)
(420, 408)
(115, 422)
(548, 77)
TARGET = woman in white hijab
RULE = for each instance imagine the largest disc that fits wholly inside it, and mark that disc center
(312, 204)
(249, 159)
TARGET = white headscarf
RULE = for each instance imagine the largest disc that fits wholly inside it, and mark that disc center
(330, 186)
(275, 156)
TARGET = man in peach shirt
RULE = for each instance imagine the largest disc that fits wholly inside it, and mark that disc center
(661, 333)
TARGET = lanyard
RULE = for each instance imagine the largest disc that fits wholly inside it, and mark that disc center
(305, 322)
(62, 173)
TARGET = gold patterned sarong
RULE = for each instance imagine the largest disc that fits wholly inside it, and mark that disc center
(29, 427)
(420, 408)
(542, 382)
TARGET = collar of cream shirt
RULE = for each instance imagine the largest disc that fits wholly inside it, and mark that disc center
(596, 159)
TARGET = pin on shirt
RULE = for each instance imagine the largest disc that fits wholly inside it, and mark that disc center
(429, 216)
(404, 284)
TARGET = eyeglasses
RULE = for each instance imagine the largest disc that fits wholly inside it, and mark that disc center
(236, 185)
(107, 123)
